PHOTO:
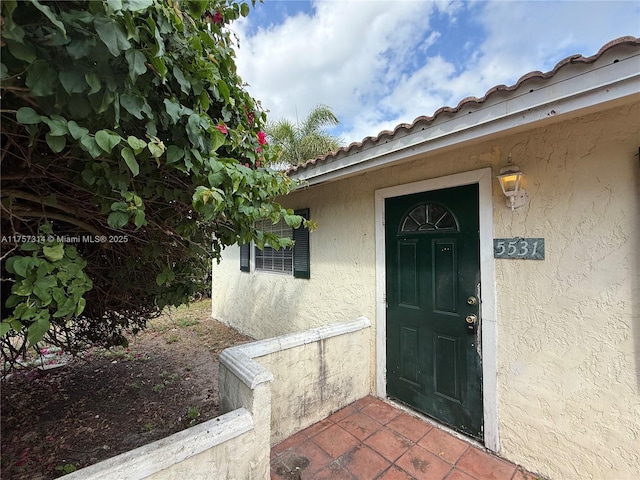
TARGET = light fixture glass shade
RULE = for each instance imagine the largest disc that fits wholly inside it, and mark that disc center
(509, 179)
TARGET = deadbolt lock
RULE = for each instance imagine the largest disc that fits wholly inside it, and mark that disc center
(472, 300)
(472, 319)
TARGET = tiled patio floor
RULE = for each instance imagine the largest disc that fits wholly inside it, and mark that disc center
(372, 440)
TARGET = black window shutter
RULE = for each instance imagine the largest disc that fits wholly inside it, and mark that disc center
(301, 262)
(245, 255)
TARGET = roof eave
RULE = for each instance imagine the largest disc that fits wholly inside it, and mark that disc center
(602, 85)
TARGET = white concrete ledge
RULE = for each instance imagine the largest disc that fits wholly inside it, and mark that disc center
(239, 359)
(157, 456)
(250, 372)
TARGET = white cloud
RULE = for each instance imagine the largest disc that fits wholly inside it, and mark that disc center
(429, 41)
(380, 63)
(346, 56)
(536, 35)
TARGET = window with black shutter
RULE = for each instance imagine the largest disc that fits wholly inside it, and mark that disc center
(292, 261)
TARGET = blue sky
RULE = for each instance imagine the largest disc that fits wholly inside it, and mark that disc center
(379, 63)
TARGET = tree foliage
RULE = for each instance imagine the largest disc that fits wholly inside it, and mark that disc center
(301, 141)
(131, 155)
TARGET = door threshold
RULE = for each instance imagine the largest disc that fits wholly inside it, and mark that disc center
(406, 408)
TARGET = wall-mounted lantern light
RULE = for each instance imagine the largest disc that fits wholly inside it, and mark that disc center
(509, 178)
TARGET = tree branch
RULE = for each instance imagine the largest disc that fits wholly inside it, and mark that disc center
(33, 198)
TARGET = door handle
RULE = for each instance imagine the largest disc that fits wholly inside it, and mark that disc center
(472, 323)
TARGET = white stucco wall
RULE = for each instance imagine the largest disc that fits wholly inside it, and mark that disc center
(568, 327)
(569, 342)
(264, 305)
(293, 381)
(322, 372)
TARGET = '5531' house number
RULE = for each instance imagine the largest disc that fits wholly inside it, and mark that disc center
(519, 248)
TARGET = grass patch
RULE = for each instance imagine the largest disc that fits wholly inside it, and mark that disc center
(187, 322)
(148, 427)
(193, 413)
(167, 379)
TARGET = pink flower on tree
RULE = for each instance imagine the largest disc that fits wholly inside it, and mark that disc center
(222, 128)
(262, 138)
(215, 18)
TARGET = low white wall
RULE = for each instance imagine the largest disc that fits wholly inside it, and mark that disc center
(315, 373)
(200, 452)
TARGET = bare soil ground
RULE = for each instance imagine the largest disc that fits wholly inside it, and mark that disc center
(111, 401)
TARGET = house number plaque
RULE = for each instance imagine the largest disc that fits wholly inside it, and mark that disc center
(519, 248)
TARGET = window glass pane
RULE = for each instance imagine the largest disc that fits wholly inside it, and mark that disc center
(429, 217)
(269, 259)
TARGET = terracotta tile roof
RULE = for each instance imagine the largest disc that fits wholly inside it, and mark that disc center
(405, 128)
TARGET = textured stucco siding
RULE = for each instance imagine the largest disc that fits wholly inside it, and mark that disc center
(316, 379)
(232, 460)
(342, 284)
(568, 327)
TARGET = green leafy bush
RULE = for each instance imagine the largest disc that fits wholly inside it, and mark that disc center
(131, 156)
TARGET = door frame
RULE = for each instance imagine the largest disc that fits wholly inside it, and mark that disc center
(484, 178)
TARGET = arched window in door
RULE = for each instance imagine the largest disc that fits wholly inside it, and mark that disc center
(429, 217)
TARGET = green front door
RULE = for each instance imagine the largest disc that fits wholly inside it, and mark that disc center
(433, 285)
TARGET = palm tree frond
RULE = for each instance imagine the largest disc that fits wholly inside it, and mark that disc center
(304, 140)
(321, 116)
